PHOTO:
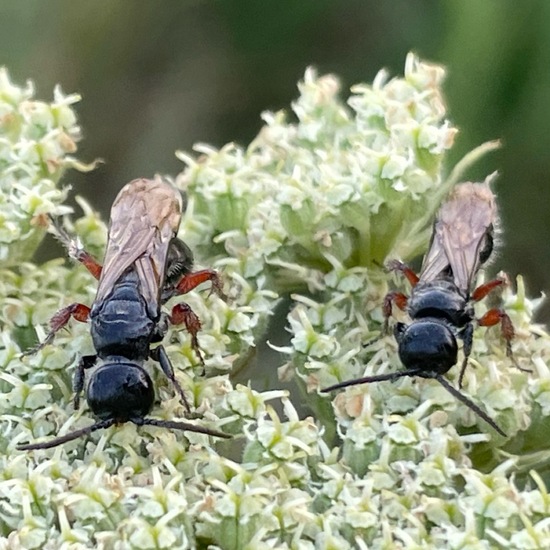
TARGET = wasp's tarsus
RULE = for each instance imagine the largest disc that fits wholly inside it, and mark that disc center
(441, 301)
(145, 265)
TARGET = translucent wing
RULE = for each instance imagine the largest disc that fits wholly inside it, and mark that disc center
(144, 219)
(462, 236)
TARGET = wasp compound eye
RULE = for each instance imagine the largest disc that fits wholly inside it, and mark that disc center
(428, 345)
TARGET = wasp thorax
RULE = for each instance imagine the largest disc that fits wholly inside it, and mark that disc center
(429, 345)
(120, 390)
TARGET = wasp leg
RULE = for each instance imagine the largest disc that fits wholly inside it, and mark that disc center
(86, 362)
(481, 291)
(404, 269)
(392, 297)
(182, 313)
(77, 311)
(89, 262)
(190, 281)
(493, 317)
(467, 336)
(159, 354)
(75, 250)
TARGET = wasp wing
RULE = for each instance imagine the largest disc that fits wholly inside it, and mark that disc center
(462, 234)
(144, 219)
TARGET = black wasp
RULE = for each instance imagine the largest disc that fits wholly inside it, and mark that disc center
(145, 265)
(441, 302)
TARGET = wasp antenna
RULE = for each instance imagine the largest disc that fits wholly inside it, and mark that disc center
(173, 425)
(69, 437)
(376, 378)
(469, 403)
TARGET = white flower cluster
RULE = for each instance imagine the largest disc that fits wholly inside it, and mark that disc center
(340, 184)
(316, 204)
(36, 141)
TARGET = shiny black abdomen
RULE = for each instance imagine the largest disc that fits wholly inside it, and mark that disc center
(440, 299)
(120, 323)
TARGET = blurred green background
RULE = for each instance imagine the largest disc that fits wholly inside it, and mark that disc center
(161, 76)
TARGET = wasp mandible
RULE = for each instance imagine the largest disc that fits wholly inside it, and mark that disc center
(145, 265)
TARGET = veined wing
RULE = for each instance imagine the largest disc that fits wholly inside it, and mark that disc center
(462, 235)
(144, 218)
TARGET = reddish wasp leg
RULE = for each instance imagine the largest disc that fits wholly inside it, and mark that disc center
(481, 291)
(468, 336)
(192, 280)
(494, 316)
(182, 313)
(77, 311)
(75, 250)
(89, 262)
(159, 354)
(392, 297)
(396, 265)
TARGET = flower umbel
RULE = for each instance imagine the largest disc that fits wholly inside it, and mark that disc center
(312, 208)
(36, 143)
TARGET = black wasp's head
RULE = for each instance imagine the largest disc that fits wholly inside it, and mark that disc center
(121, 391)
(428, 345)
